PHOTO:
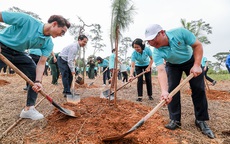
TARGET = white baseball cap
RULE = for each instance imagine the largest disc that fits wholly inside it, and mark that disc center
(152, 31)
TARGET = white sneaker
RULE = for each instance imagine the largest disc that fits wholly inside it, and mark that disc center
(32, 113)
(103, 85)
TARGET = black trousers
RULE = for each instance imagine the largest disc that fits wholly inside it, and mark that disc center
(206, 76)
(25, 64)
(106, 75)
(125, 76)
(174, 72)
(140, 69)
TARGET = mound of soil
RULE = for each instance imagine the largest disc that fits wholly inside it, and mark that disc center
(216, 94)
(96, 120)
(3, 82)
(85, 86)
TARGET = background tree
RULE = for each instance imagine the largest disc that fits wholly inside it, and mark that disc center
(123, 49)
(122, 16)
(199, 28)
(16, 9)
(221, 57)
(96, 39)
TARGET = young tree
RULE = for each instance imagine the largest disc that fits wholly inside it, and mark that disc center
(122, 16)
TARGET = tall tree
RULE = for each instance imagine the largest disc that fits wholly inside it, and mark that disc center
(198, 28)
(96, 39)
(122, 16)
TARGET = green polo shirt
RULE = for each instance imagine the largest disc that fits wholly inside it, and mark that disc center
(179, 49)
(24, 32)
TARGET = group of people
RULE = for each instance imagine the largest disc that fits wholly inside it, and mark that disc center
(179, 48)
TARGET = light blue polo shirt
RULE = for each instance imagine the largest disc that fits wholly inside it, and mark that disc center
(105, 63)
(24, 32)
(179, 49)
(142, 59)
(203, 61)
(35, 52)
(111, 61)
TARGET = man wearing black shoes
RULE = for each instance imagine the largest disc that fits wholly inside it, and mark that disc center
(182, 53)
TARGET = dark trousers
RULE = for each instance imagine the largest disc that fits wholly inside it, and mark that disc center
(125, 76)
(67, 76)
(174, 72)
(35, 58)
(24, 63)
(206, 76)
(140, 69)
(55, 72)
(106, 75)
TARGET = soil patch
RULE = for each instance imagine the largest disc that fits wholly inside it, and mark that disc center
(3, 82)
(97, 120)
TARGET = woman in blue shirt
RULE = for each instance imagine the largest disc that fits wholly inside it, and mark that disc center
(141, 60)
(104, 63)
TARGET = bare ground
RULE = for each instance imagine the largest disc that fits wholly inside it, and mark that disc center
(98, 118)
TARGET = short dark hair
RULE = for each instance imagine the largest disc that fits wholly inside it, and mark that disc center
(81, 37)
(60, 20)
(139, 42)
(99, 58)
(113, 50)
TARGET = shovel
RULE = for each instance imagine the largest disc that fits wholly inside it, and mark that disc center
(61, 109)
(110, 96)
(97, 77)
(144, 119)
(73, 98)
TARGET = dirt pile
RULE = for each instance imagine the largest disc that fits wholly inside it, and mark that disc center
(3, 82)
(97, 120)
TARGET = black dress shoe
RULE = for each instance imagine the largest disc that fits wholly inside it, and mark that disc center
(204, 128)
(173, 124)
(150, 98)
(139, 99)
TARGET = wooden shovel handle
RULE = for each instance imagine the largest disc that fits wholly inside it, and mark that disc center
(7, 62)
(171, 94)
(130, 81)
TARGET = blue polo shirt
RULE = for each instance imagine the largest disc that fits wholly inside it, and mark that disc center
(179, 49)
(111, 61)
(24, 32)
(203, 61)
(105, 63)
(142, 59)
(227, 62)
(37, 52)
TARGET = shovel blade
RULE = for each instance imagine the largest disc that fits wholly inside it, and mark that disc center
(107, 94)
(74, 99)
(68, 112)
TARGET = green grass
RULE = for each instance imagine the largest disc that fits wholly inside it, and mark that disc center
(219, 77)
(216, 77)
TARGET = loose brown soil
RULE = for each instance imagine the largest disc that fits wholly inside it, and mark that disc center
(98, 118)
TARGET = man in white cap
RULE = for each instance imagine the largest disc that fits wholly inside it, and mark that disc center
(182, 53)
